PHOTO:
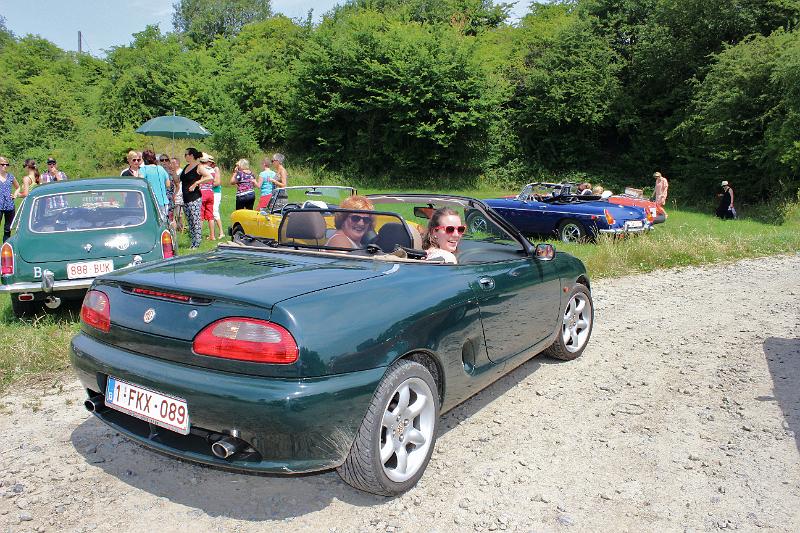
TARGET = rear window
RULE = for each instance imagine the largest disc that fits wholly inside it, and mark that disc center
(87, 210)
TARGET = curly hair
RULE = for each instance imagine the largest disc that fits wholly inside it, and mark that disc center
(352, 202)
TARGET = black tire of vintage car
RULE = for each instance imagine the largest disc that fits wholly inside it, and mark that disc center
(571, 231)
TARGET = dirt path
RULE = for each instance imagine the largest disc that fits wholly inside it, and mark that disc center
(683, 414)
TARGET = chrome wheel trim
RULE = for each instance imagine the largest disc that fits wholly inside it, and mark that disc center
(406, 430)
(571, 232)
(478, 224)
(576, 323)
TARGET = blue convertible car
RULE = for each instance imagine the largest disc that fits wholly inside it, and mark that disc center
(552, 209)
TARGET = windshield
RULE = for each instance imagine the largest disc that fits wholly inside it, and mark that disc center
(308, 197)
(87, 210)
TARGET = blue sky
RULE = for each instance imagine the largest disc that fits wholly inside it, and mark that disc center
(107, 23)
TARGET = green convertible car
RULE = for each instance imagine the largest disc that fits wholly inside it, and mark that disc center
(67, 233)
(296, 354)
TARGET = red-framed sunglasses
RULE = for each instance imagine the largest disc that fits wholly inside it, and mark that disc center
(452, 229)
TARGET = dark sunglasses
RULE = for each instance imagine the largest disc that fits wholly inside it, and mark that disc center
(355, 219)
(3, 164)
(163, 160)
(135, 159)
(452, 229)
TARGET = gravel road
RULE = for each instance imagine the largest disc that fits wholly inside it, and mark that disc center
(682, 415)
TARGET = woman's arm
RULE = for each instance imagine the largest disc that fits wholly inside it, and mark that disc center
(23, 191)
(281, 178)
(258, 181)
(217, 181)
(731, 197)
(233, 176)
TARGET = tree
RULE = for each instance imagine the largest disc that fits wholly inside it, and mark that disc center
(744, 119)
(204, 20)
(387, 96)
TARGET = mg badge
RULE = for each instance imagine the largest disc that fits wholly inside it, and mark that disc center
(87, 247)
(149, 315)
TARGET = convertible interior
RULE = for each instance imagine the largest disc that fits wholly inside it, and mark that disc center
(391, 236)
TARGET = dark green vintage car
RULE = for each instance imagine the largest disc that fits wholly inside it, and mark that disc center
(293, 355)
(67, 233)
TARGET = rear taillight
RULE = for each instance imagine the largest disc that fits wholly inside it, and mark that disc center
(7, 259)
(96, 311)
(167, 250)
(609, 218)
(247, 339)
(651, 214)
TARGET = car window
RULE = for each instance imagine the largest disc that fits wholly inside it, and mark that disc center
(87, 210)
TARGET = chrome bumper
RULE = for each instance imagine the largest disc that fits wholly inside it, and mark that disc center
(626, 231)
(40, 287)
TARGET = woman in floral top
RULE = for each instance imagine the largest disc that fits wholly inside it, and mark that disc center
(7, 197)
(244, 180)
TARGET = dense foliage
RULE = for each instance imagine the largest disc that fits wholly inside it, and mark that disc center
(419, 90)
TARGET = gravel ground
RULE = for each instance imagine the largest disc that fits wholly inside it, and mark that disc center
(682, 414)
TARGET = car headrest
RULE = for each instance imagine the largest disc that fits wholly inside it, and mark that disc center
(304, 225)
(391, 235)
(314, 204)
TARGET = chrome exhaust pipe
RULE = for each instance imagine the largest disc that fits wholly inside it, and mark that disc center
(227, 447)
(95, 403)
(52, 302)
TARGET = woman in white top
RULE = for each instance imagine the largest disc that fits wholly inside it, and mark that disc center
(444, 233)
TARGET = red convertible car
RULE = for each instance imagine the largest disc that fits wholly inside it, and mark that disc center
(634, 197)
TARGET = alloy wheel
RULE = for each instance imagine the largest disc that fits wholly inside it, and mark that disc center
(576, 324)
(407, 429)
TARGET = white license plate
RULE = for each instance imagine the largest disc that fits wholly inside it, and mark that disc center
(157, 408)
(89, 269)
(634, 223)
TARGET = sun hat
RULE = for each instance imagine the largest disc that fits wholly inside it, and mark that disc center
(206, 158)
(723, 184)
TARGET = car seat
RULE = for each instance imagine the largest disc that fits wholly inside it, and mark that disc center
(391, 235)
(303, 225)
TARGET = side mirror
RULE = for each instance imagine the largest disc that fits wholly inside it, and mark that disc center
(423, 212)
(545, 252)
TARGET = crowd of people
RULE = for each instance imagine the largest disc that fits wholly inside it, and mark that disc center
(193, 192)
(190, 194)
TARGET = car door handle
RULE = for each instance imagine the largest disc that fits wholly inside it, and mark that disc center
(486, 284)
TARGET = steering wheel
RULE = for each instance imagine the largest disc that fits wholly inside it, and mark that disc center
(289, 206)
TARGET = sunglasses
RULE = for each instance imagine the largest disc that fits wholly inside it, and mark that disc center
(163, 160)
(135, 159)
(355, 219)
(51, 164)
(3, 164)
(452, 229)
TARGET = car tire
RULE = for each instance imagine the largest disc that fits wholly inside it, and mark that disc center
(23, 309)
(571, 231)
(403, 414)
(477, 223)
(237, 233)
(575, 326)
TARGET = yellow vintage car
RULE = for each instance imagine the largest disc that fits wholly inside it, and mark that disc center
(265, 223)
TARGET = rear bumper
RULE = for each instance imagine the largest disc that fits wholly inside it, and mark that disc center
(66, 285)
(295, 425)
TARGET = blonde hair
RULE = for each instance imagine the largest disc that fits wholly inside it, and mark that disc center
(132, 154)
(598, 189)
(243, 164)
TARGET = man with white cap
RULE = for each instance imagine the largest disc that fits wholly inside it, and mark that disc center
(725, 208)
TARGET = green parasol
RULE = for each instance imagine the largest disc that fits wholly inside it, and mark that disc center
(174, 127)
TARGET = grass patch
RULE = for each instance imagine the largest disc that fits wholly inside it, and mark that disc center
(689, 237)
